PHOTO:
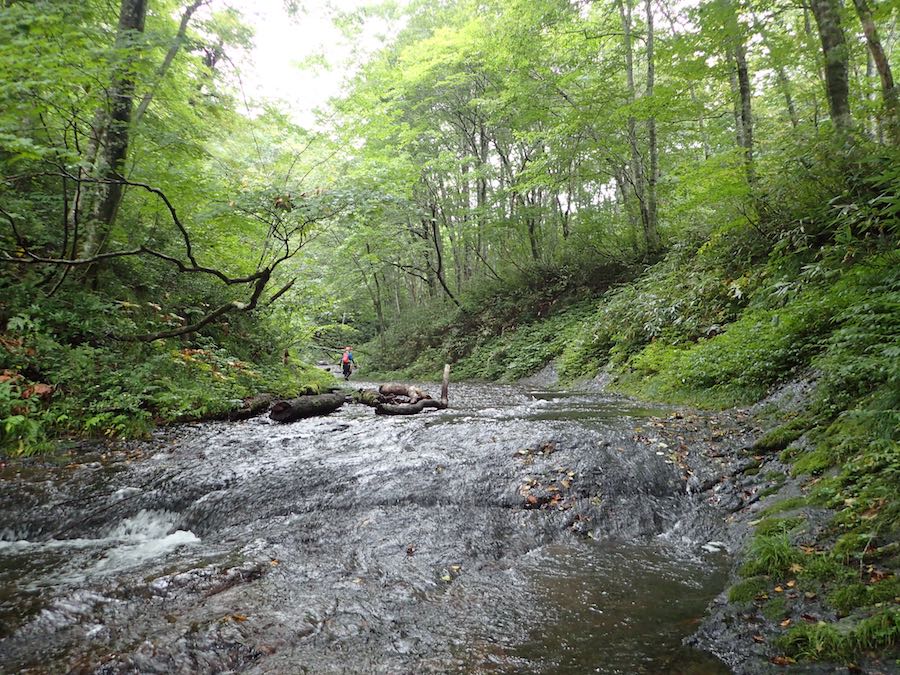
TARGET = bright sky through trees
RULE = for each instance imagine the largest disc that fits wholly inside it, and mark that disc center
(300, 60)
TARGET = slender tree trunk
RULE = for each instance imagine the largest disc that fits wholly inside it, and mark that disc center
(111, 156)
(375, 290)
(746, 116)
(834, 48)
(735, 99)
(785, 84)
(889, 91)
(651, 233)
(439, 256)
(637, 165)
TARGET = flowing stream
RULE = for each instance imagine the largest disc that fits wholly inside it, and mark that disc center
(517, 532)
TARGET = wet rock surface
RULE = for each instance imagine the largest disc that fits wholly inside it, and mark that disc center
(518, 531)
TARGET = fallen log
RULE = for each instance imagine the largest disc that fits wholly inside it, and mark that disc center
(253, 407)
(407, 408)
(306, 406)
(418, 399)
(411, 392)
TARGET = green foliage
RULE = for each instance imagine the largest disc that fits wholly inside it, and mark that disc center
(782, 436)
(778, 526)
(775, 608)
(840, 641)
(854, 595)
(120, 388)
(748, 589)
(771, 555)
(522, 351)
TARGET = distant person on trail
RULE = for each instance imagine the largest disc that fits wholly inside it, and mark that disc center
(347, 362)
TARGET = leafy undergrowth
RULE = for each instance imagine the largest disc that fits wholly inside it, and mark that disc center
(55, 384)
(523, 350)
(502, 331)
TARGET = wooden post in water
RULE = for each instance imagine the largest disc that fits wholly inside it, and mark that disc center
(445, 386)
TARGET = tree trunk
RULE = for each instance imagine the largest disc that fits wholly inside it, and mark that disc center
(834, 48)
(111, 155)
(439, 258)
(785, 85)
(735, 99)
(889, 92)
(637, 165)
(743, 77)
(651, 234)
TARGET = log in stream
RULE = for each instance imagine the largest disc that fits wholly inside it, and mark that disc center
(390, 399)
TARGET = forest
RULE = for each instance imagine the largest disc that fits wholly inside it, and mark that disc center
(695, 203)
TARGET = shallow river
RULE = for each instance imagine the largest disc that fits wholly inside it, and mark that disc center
(517, 532)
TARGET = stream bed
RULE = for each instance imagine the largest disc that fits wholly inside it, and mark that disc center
(518, 531)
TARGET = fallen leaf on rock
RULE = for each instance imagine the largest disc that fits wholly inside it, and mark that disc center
(809, 618)
(759, 638)
(782, 660)
(785, 623)
(791, 583)
(446, 577)
(809, 595)
(239, 617)
(274, 562)
(566, 483)
(455, 568)
(531, 499)
(779, 589)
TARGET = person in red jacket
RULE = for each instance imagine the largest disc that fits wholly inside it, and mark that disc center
(347, 362)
